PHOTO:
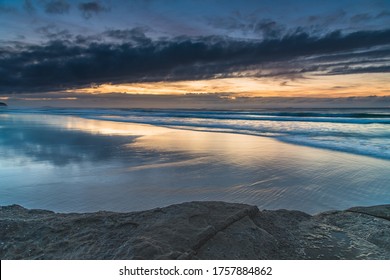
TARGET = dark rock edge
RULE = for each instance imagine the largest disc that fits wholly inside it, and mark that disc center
(196, 230)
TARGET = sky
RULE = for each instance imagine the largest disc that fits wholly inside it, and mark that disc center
(172, 53)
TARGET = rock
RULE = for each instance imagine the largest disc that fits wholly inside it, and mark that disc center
(2, 104)
(380, 211)
(196, 230)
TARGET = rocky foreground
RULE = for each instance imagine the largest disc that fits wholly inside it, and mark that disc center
(196, 230)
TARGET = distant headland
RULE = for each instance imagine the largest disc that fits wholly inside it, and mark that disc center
(2, 104)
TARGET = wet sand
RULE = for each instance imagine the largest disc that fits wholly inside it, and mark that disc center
(71, 164)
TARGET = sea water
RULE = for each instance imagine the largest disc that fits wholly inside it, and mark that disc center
(73, 160)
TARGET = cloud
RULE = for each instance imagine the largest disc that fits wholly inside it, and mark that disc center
(136, 35)
(28, 6)
(5, 9)
(88, 9)
(57, 7)
(190, 101)
(269, 28)
(361, 18)
(52, 32)
(358, 70)
(327, 19)
(384, 13)
(251, 24)
(64, 64)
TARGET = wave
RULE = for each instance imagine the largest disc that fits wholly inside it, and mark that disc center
(372, 142)
(290, 116)
(352, 131)
(365, 148)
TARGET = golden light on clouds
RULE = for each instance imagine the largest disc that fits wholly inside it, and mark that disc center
(228, 85)
(313, 86)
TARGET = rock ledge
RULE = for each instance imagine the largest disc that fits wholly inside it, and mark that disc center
(196, 230)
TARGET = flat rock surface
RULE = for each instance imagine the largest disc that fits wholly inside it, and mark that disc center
(381, 211)
(196, 230)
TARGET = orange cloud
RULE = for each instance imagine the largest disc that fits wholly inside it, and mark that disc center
(313, 86)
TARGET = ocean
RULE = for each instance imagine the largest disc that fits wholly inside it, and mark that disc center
(73, 160)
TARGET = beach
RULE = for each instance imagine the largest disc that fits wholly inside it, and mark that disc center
(194, 130)
(70, 162)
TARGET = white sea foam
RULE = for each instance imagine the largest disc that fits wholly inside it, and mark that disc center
(363, 131)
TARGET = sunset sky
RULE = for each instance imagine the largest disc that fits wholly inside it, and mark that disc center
(111, 52)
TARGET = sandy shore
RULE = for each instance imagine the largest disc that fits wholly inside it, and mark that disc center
(196, 230)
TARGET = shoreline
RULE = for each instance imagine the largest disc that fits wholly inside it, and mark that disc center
(324, 146)
(94, 165)
(196, 230)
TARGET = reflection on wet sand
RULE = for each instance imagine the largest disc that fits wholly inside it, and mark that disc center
(112, 128)
(68, 163)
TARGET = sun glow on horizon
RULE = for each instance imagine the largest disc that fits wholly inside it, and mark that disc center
(313, 86)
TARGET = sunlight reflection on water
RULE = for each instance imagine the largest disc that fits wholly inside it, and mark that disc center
(67, 164)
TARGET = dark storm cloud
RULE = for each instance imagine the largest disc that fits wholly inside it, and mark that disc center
(57, 7)
(65, 64)
(88, 9)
